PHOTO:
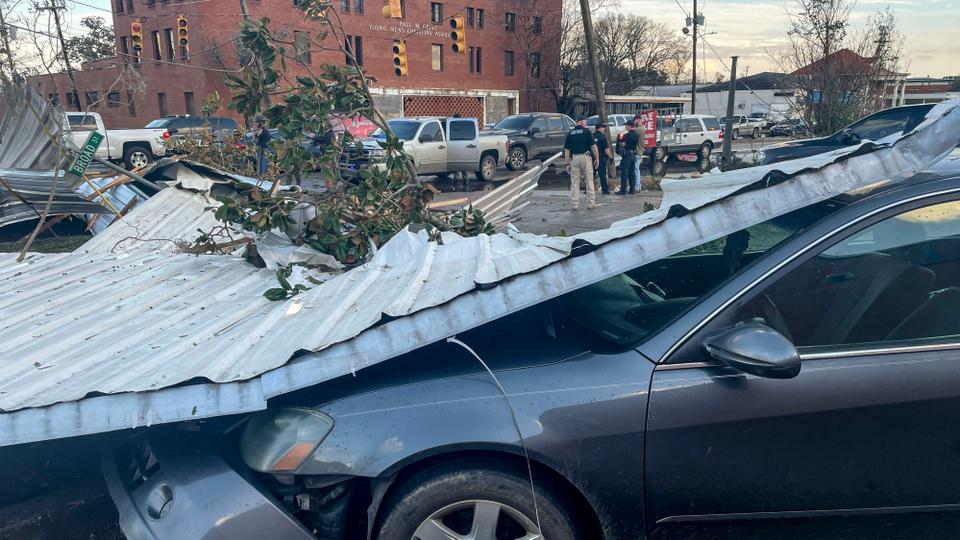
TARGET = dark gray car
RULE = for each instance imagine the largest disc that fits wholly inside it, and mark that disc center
(795, 379)
(533, 136)
(873, 127)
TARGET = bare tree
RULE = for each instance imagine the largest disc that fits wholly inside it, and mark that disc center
(838, 73)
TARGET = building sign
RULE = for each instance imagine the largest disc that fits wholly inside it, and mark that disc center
(649, 121)
(405, 28)
(86, 153)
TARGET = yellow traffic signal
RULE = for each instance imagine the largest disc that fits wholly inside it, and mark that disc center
(400, 58)
(183, 31)
(458, 35)
(392, 10)
(136, 35)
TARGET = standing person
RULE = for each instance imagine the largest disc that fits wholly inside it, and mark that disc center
(262, 137)
(638, 120)
(628, 168)
(580, 151)
(606, 154)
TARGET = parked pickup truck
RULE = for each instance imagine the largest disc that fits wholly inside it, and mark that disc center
(440, 146)
(134, 147)
(746, 126)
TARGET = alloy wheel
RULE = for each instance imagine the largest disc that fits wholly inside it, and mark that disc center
(489, 169)
(517, 159)
(139, 159)
(477, 520)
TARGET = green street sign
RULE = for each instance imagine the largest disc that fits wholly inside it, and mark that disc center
(86, 153)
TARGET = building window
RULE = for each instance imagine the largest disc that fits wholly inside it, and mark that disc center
(93, 98)
(470, 17)
(131, 103)
(301, 44)
(188, 103)
(162, 104)
(476, 61)
(113, 99)
(157, 50)
(535, 65)
(358, 50)
(511, 22)
(54, 99)
(73, 101)
(479, 19)
(130, 6)
(348, 49)
(358, 6)
(508, 63)
(119, 4)
(436, 12)
(124, 50)
(436, 56)
(171, 51)
(537, 25)
(345, 6)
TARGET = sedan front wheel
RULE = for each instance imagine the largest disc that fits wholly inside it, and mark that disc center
(478, 499)
(517, 158)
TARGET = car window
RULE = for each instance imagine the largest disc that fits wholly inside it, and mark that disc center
(689, 125)
(404, 130)
(432, 129)
(593, 121)
(520, 122)
(159, 123)
(882, 124)
(462, 130)
(85, 122)
(623, 311)
(712, 124)
(539, 123)
(894, 282)
(556, 123)
(568, 123)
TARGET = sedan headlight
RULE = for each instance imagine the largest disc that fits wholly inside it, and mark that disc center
(280, 440)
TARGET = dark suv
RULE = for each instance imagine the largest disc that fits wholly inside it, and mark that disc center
(182, 127)
(533, 136)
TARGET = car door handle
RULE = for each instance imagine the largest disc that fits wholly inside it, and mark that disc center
(839, 278)
(442, 147)
(471, 146)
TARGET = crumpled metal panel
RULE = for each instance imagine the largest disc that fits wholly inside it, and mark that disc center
(162, 223)
(123, 196)
(24, 193)
(80, 324)
(28, 130)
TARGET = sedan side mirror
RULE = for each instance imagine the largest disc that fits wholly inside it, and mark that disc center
(756, 349)
(534, 131)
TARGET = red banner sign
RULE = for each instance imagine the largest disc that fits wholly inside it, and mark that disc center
(649, 120)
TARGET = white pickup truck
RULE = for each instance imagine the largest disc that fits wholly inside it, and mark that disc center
(440, 146)
(134, 147)
(744, 126)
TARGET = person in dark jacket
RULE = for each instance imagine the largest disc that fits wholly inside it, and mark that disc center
(606, 154)
(262, 137)
(628, 171)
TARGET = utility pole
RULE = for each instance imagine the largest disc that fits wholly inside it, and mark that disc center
(728, 128)
(5, 34)
(55, 10)
(693, 89)
(598, 88)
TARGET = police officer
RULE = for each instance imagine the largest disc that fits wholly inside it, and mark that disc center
(628, 171)
(606, 154)
(580, 151)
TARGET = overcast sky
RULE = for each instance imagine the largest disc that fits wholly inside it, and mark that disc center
(750, 28)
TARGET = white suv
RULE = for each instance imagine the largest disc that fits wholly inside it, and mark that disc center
(699, 133)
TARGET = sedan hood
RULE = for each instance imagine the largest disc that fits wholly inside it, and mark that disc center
(802, 143)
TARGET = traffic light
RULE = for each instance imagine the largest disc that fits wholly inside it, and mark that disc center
(458, 35)
(136, 36)
(183, 31)
(392, 9)
(400, 58)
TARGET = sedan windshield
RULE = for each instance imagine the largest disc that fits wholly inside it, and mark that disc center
(404, 130)
(514, 123)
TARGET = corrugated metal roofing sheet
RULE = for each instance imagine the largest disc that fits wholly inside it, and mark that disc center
(73, 327)
(27, 130)
(24, 193)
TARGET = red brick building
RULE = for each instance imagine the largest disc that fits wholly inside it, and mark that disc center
(512, 63)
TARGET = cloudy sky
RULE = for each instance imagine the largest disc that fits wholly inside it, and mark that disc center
(752, 28)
